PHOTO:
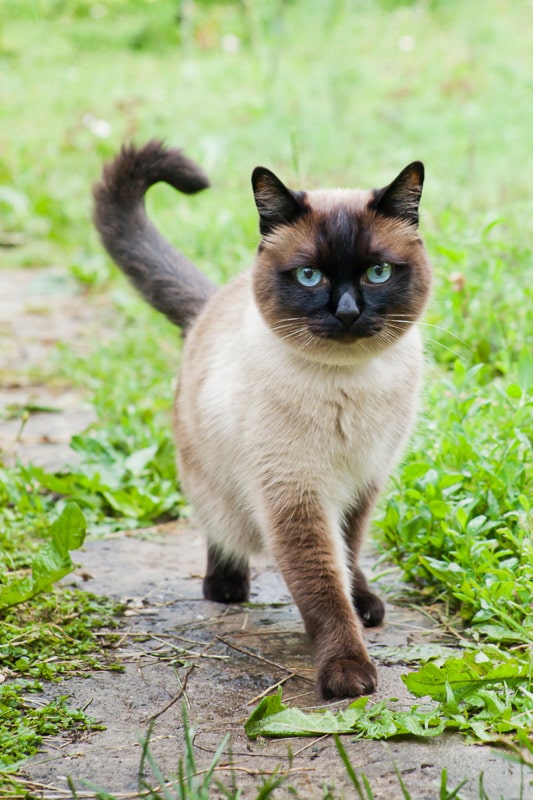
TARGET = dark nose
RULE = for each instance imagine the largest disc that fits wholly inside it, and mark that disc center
(347, 309)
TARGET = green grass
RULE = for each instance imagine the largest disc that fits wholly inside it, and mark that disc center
(335, 93)
(54, 635)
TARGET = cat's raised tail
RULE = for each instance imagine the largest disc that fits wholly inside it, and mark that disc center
(165, 278)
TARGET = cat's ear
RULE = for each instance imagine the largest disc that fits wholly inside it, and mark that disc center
(276, 204)
(402, 197)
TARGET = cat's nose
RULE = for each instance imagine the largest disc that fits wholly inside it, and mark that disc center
(347, 309)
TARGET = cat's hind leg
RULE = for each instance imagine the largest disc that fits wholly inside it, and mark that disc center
(225, 581)
(370, 608)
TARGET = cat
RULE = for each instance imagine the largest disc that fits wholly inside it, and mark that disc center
(298, 385)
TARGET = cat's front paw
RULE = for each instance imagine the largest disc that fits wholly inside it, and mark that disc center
(346, 677)
(370, 608)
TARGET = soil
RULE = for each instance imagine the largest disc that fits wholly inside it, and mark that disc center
(178, 649)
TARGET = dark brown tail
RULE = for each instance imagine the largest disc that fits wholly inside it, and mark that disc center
(165, 278)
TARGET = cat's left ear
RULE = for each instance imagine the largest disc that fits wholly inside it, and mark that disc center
(276, 204)
(402, 197)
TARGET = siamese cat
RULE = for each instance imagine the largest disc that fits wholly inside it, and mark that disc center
(298, 385)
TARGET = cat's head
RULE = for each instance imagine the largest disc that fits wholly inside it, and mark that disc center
(340, 273)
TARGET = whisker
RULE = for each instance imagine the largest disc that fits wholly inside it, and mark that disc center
(457, 355)
(292, 335)
(446, 330)
(428, 340)
(287, 324)
(400, 318)
(295, 334)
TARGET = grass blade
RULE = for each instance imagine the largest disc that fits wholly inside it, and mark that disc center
(146, 756)
(403, 787)
(349, 768)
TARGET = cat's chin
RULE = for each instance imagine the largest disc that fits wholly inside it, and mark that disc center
(343, 350)
(350, 337)
(335, 353)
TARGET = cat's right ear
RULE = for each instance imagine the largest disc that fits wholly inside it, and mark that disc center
(402, 197)
(276, 204)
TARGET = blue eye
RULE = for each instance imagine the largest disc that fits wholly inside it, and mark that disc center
(379, 273)
(308, 276)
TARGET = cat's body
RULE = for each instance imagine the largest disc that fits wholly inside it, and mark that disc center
(297, 390)
(315, 430)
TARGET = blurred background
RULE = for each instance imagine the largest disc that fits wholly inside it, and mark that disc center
(337, 92)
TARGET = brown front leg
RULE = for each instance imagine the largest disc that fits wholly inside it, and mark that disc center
(368, 605)
(310, 555)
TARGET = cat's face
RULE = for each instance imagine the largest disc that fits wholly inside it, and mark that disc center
(340, 274)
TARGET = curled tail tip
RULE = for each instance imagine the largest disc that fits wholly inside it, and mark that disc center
(134, 169)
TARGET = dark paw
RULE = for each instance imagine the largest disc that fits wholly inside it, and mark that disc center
(370, 608)
(231, 586)
(223, 591)
(346, 677)
(225, 581)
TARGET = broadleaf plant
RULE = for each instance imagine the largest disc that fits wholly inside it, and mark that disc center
(486, 695)
(52, 562)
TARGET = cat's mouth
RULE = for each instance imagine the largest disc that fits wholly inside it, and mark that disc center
(345, 336)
